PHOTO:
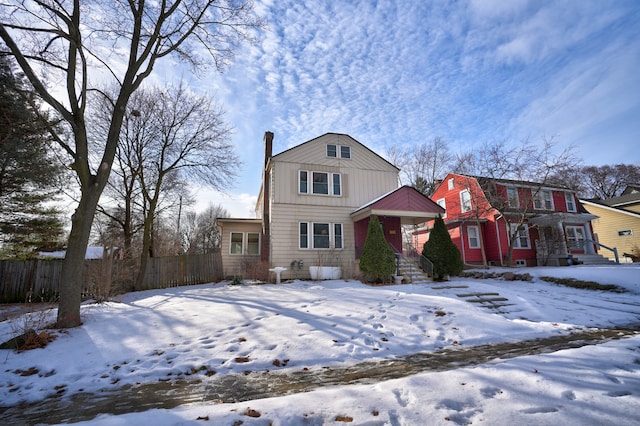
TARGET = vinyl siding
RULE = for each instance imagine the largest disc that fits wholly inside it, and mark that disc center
(285, 222)
(607, 226)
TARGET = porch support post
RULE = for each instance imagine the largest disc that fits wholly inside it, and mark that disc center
(564, 250)
(589, 243)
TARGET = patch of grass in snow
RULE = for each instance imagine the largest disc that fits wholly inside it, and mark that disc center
(587, 285)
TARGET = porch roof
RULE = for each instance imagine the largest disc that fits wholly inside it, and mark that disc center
(562, 217)
(406, 202)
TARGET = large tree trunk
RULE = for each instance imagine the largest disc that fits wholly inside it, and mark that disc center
(72, 279)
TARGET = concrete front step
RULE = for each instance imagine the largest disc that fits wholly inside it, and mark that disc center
(593, 259)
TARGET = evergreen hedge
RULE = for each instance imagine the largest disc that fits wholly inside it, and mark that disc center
(442, 252)
(378, 261)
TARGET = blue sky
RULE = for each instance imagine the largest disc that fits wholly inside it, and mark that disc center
(404, 72)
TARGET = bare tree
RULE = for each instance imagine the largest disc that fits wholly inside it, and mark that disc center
(201, 235)
(180, 137)
(120, 40)
(422, 166)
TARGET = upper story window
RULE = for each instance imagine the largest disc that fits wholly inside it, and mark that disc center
(322, 183)
(571, 203)
(512, 197)
(465, 201)
(543, 200)
(442, 203)
(335, 150)
(450, 183)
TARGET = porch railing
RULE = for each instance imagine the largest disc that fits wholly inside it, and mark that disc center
(409, 252)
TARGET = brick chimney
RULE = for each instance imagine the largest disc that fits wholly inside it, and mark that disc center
(266, 198)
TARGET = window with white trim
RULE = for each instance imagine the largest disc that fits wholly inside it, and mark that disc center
(322, 183)
(571, 203)
(450, 183)
(241, 243)
(465, 201)
(443, 203)
(543, 200)
(521, 236)
(334, 150)
(473, 235)
(512, 197)
(318, 235)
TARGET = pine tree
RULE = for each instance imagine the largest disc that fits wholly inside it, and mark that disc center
(441, 251)
(28, 174)
(378, 261)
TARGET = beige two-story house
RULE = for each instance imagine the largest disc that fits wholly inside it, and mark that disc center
(314, 208)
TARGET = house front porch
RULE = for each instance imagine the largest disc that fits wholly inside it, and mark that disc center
(564, 239)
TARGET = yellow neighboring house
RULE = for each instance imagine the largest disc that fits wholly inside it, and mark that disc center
(618, 223)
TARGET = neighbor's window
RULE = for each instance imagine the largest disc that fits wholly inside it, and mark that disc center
(571, 204)
(625, 233)
(473, 236)
(512, 196)
(303, 182)
(543, 200)
(465, 201)
(521, 236)
(442, 203)
(332, 151)
(450, 183)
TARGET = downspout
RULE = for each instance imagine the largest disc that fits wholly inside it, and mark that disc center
(265, 254)
(464, 256)
(498, 237)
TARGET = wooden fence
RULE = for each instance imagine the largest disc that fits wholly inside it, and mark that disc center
(39, 280)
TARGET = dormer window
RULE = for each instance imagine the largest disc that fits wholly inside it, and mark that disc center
(342, 150)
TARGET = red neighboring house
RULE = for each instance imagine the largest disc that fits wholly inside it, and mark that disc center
(555, 226)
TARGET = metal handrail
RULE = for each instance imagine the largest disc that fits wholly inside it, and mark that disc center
(613, 249)
(425, 264)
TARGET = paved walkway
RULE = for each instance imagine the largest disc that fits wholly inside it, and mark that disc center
(256, 385)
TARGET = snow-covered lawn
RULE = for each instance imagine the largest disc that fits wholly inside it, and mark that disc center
(165, 334)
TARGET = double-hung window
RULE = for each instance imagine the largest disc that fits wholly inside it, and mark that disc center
(244, 243)
(512, 197)
(338, 151)
(473, 236)
(443, 203)
(318, 235)
(322, 183)
(520, 236)
(465, 201)
(543, 200)
(571, 204)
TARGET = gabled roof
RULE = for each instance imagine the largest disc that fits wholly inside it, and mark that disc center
(601, 204)
(624, 200)
(336, 134)
(405, 202)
